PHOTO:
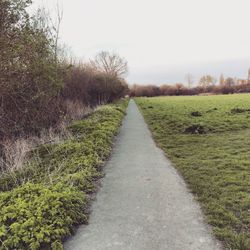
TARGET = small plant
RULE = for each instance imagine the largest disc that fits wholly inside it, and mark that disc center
(34, 216)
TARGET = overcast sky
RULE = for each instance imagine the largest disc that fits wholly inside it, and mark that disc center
(162, 40)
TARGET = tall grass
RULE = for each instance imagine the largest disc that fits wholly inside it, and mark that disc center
(14, 152)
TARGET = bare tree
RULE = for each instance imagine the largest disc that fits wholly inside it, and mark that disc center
(207, 81)
(51, 26)
(111, 63)
(230, 82)
(190, 79)
(56, 28)
(248, 77)
(222, 80)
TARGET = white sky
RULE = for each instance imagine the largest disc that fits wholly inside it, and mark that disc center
(162, 40)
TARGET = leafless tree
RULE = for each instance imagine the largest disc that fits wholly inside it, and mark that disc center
(51, 26)
(248, 77)
(190, 79)
(222, 80)
(207, 81)
(56, 27)
(111, 63)
(230, 82)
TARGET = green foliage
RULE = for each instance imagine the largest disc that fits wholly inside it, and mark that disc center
(35, 215)
(44, 200)
(214, 163)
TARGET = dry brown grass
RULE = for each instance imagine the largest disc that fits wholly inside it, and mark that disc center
(76, 110)
(14, 152)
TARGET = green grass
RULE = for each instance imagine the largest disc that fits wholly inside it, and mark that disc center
(211, 150)
(42, 202)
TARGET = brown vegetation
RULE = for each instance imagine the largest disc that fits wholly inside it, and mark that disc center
(206, 86)
(39, 87)
(92, 86)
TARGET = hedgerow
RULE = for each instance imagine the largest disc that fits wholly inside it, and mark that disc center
(38, 82)
(42, 202)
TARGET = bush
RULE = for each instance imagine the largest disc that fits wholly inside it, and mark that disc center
(30, 77)
(92, 87)
(34, 215)
(35, 83)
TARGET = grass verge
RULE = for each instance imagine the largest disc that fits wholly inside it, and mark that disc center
(207, 140)
(43, 201)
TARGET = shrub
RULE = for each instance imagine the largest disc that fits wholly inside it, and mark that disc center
(30, 77)
(34, 215)
(92, 87)
(35, 82)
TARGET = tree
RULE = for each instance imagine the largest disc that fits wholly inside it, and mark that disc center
(248, 77)
(190, 79)
(111, 63)
(50, 27)
(222, 80)
(29, 79)
(229, 82)
(207, 81)
(106, 88)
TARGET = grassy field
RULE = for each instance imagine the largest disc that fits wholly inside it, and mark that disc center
(207, 138)
(43, 201)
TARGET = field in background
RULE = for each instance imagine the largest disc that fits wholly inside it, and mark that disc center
(207, 138)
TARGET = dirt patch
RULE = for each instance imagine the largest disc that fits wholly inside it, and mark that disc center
(211, 110)
(196, 113)
(238, 110)
(195, 129)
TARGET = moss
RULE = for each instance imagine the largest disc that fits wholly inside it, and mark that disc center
(41, 202)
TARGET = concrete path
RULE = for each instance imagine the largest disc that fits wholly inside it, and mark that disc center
(143, 203)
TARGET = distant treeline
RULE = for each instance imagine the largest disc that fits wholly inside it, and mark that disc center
(37, 80)
(206, 86)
